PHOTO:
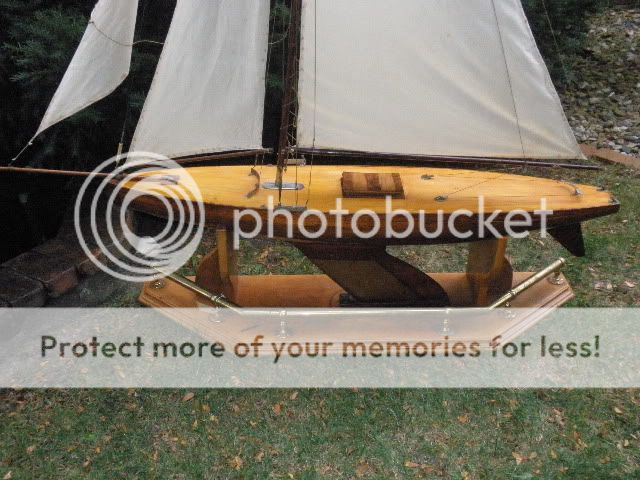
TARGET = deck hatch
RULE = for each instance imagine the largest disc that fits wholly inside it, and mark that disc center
(372, 185)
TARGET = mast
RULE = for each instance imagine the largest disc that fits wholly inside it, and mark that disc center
(289, 101)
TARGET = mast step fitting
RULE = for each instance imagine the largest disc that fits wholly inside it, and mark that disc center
(296, 162)
(292, 208)
(285, 186)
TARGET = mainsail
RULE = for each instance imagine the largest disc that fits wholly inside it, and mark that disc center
(427, 77)
(101, 62)
(209, 88)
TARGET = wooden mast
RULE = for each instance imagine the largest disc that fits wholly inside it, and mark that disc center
(289, 101)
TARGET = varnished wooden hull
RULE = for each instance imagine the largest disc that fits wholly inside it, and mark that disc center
(431, 196)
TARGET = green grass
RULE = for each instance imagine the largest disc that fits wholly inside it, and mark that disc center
(307, 434)
(321, 434)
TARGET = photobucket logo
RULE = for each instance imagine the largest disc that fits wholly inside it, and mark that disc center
(127, 180)
(431, 226)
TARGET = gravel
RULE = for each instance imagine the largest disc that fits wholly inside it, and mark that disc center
(603, 101)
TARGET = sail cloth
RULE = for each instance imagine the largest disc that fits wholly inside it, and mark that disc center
(209, 88)
(101, 62)
(432, 77)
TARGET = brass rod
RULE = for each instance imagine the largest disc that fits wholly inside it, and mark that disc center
(218, 300)
(527, 284)
(221, 301)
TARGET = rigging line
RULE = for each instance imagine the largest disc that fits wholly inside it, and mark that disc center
(506, 64)
(315, 70)
(143, 17)
(126, 119)
(310, 177)
(476, 184)
(285, 33)
(272, 27)
(498, 177)
(555, 42)
(26, 147)
(276, 42)
(502, 175)
(285, 27)
(92, 22)
(142, 20)
(269, 51)
(124, 130)
(296, 181)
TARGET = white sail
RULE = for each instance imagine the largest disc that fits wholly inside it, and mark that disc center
(208, 92)
(101, 62)
(433, 77)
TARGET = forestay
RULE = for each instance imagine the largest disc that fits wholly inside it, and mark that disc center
(209, 88)
(432, 77)
(101, 62)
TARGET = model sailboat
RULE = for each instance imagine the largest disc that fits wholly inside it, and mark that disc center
(382, 88)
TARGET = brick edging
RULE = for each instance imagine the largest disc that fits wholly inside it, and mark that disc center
(50, 270)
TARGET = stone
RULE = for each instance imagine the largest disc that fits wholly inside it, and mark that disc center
(604, 101)
(100, 290)
(68, 249)
(57, 275)
(19, 291)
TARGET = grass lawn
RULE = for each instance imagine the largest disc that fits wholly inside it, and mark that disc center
(463, 434)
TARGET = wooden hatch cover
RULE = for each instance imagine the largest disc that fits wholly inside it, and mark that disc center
(372, 185)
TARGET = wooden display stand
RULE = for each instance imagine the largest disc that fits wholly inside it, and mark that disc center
(361, 276)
